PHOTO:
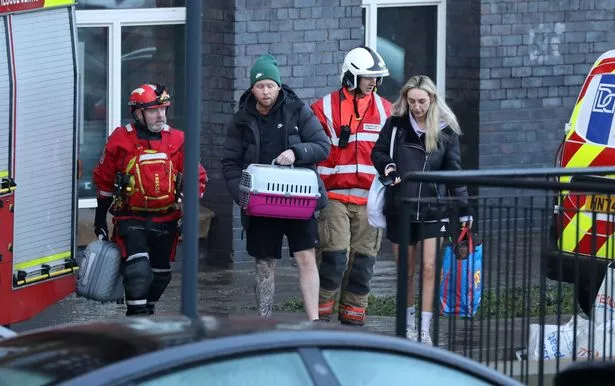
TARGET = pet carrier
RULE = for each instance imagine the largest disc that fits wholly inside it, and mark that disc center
(279, 191)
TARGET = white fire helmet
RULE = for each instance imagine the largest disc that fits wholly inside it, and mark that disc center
(365, 62)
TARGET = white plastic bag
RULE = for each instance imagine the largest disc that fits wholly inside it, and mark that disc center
(598, 343)
(375, 198)
(556, 345)
(375, 205)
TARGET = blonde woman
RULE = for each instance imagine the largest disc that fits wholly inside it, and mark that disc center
(427, 138)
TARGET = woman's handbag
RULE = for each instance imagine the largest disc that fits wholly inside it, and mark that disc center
(375, 198)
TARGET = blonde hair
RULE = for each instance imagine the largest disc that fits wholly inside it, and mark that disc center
(438, 110)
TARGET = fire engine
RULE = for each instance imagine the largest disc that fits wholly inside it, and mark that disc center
(38, 155)
(584, 224)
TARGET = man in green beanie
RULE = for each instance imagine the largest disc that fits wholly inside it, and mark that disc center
(273, 125)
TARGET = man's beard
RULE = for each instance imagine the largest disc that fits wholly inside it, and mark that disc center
(157, 127)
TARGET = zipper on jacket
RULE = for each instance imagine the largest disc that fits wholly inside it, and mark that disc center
(435, 186)
(418, 204)
(257, 138)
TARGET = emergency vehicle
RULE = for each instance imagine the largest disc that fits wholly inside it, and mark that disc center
(584, 224)
(38, 155)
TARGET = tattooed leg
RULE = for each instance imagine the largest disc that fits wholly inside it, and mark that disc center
(265, 286)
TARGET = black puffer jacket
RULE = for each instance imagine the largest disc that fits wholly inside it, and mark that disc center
(301, 130)
(409, 155)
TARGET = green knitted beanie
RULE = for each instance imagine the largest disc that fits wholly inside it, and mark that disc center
(265, 67)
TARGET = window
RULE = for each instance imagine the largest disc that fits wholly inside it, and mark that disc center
(154, 54)
(117, 4)
(118, 50)
(259, 370)
(365, 368)
(93, 61)
(410, 37)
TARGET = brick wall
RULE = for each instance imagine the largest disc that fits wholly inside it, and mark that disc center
(514, 70)
(463, 73)
(218, 67)
(309, 38)
(534, 58)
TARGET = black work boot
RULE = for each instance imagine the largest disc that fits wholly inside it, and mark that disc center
(140, 310)
(151, 308)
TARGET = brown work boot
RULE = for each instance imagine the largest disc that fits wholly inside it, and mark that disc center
(325, 310)
(351, 315)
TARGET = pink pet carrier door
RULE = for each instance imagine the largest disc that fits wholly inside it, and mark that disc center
(279, 191)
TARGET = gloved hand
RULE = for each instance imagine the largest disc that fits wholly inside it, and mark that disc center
(395, 177)
(100, 219)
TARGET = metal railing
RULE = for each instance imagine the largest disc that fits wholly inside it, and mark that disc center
(537, 310)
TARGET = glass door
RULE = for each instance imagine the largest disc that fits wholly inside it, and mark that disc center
(121, 47)
(93, 50)
(411, 37)
(154, 54)
(407, 42)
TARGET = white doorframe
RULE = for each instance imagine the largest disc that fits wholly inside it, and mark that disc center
(114, 20)
(371, 30)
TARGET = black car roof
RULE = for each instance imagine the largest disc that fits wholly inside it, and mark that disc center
(84, 352)
(69, 350)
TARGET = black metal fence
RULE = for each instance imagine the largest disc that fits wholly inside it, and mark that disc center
(542, 295)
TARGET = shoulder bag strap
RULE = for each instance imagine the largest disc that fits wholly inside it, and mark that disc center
(392, 145)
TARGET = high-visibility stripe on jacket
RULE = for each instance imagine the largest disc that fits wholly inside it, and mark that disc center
(348, 172)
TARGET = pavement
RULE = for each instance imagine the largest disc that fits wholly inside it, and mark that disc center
(223, 292)
(493, 342)
(219, 292)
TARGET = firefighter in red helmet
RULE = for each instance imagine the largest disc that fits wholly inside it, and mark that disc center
(138, 180)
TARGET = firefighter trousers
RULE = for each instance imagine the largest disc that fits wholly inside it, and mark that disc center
(347, 250)
(147, 248)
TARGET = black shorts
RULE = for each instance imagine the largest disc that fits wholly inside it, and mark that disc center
(265, 235)
(419, 231)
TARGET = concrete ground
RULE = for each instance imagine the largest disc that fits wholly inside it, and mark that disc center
(492, 342)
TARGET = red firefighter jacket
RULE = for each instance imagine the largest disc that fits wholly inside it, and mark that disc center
(121, 145)
(348, 172)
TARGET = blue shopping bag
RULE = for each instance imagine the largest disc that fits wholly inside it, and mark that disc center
(461, 280)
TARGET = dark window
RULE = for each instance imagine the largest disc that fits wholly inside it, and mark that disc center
(407, 41)
(154, 54)
(92, 52)
(123, 4)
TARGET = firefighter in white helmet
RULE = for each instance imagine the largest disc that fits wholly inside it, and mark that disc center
(352, 118)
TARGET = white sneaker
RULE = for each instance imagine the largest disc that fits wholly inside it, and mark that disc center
(426, 338)
(412, 334)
